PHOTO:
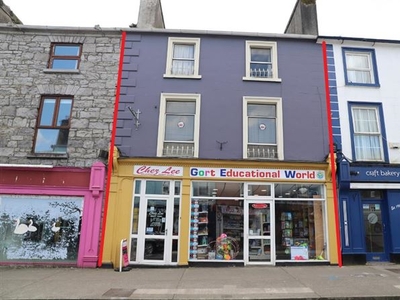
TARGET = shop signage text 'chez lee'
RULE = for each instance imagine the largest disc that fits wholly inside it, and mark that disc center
(197, 172)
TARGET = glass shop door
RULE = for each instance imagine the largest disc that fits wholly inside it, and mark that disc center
(155, 231)
(375, 231)
(259, 228)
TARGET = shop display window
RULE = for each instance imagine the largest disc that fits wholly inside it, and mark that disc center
(40, 227)
(286, 190)
(300, 231)
(216, 231)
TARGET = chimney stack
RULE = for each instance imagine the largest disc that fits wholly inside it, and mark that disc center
(304, 18)
(150, 15)
(6, 15)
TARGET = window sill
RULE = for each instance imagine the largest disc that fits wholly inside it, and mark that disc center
(372, 85)
(62, 71)
(262, 79)
(48, 155)
(182, 76)
(261, 158)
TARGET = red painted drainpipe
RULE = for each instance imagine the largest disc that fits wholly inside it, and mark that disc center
(111, 153)
(332, 153)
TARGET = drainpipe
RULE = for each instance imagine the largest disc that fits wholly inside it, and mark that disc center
(331, 152)
(111, 153)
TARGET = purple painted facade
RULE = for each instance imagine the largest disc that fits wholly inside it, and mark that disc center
(222, 88)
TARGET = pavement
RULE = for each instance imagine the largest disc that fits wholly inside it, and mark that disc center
(250, 282)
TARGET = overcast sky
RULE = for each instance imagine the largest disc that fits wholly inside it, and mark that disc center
(350, 18)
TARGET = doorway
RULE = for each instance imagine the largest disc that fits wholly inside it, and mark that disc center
(375, 232)
(155, 222)
(156, 244)
(259, 244)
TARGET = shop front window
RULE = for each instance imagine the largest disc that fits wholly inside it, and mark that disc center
(299, 230)
(39, 227)
(157, 187)
(216, 231)
(290, 190)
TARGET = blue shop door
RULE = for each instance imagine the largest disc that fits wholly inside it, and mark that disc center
(375, 231)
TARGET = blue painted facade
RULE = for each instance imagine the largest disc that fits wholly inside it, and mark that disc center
(368, 191)
(222, 68)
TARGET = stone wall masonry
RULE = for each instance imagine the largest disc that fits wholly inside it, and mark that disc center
(24, 79)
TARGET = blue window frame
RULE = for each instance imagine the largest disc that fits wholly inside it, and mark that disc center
(360, 67)
(65, 56)
(367, 130)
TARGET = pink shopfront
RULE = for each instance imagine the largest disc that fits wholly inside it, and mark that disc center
(50, 215)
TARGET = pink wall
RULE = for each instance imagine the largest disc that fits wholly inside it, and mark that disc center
(92, 208)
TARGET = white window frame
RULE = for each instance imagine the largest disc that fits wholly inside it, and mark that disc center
(377, 134)
(370, 68)
(161, 124)
(188, 41)
(279, 123)
(369, 54)
(274, 60)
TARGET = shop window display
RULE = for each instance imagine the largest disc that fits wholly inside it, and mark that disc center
(39, 227)
(289, 228)
(299, 230)
(216, 231)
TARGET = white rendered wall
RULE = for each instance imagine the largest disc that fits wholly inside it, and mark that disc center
(388, 65)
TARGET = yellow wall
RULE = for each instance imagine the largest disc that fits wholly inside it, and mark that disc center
(120, 200)
(118, 216)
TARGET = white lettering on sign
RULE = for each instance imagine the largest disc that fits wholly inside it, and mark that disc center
(376, 173)
(393, 207)
(146, 170)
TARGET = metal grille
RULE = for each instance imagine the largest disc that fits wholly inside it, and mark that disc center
(262, 151)
(264, 73)
(178, 150)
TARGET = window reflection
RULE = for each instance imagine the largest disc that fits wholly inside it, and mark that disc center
(53, 125)
(287, 190)
(39, 227)
(65, 56)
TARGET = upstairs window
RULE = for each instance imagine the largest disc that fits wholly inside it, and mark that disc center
(261, 61)
(262, 128)
(360, 67)
(183, 58)
(179, 125)
(65, 56)
(367, 132)
(53, 125)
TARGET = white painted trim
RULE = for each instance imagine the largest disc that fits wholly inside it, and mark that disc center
(170, 52)
(274, 59)
(279, 121)
(371, 186)
(25, 166)
(161, 123)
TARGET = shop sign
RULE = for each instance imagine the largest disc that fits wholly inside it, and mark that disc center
(259, 205)
(257, 173)
(146, 170)
(124, 261)
(393, 207)
(375, 174)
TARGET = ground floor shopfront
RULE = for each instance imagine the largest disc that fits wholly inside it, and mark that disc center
(369, 206)
(50, 215)
(177, 213)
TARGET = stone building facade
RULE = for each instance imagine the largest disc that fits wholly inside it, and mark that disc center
(57, 94)
(24, 77)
